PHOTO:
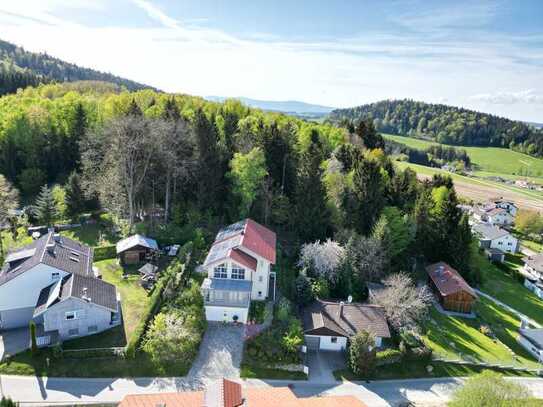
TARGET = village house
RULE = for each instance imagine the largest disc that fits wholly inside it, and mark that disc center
(452, 291)
(495, 240)
(531, 339)
(226, 393)
(509, 206)
(52, 282)
(499, 216)
(329, 325)
(136, 249)
(238, 268)
(533, 273)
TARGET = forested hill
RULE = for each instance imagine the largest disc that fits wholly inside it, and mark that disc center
(446, 124)
(20, 68)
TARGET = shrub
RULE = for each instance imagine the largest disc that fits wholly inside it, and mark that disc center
(7, 402)
(294, 337)
(388, 356)
(257, 311)
(362, 354)
(33, 341)
(105, 252)
(485, 330)
(304, 295)
(320, 288)
(421, 353)
(283, 310)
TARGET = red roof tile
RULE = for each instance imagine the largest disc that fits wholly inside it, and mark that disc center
(447, 280)
(231, 394)
(260, 240)
(243, 258)
(185, 399)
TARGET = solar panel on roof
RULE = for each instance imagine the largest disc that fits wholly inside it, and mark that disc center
(220, 250)
(230, 230)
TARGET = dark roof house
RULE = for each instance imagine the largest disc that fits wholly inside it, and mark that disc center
(325, 318)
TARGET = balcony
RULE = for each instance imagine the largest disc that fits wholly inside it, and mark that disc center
(227, 292)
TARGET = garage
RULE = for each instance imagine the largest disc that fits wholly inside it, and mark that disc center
(312, 342)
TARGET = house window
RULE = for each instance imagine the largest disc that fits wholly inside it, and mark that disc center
(220, 271)
(499, 242)
(333, 339)
(260, 279)
(238, 273)
(509, 244)
(55, 276)
(92, 328)
(73, 332)
(71, 315)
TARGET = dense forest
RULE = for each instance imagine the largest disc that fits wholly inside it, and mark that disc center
(20, 68)
(203, 164)
(446, 124)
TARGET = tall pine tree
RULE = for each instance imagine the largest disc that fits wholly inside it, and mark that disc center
(45, 208)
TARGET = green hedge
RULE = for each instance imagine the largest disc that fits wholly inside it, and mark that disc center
(105, 252)
(388, 356)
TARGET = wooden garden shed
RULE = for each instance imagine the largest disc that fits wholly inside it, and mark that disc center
(136, 249)
(452, 291)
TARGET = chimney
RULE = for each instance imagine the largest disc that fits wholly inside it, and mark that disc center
(50, 247)
(341, 304)
(84, 295)
(56, 237)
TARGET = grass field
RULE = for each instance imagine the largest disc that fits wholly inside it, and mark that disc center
(490, 160)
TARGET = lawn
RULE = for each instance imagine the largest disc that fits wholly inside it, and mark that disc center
(490, 160)
(417, 369)
(507, 289)
(92, 234)
(134, 298)
(254, 372)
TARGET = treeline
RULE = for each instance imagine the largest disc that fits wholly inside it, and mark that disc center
(23, 68)
(433, 156)
(446, 125)
(202, 164)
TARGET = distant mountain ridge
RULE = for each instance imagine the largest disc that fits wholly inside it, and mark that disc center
(445, 124)
(287, 106)
(20, 68)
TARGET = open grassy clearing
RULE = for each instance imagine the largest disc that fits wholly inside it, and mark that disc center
(488, 159)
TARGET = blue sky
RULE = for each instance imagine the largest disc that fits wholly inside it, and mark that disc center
(485, 55)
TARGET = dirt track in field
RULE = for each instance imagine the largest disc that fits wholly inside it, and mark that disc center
(482, 193)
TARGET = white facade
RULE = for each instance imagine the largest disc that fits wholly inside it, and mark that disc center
(334, 343)
(534, 350)
(506, 243)
(226, 314)
(18, 296)
(533, 288)
(75, 317)
(500, 218)
(508, 206)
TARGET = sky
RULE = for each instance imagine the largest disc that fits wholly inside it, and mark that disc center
(483, 55)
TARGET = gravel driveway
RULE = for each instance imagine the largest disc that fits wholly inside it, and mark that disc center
(220, 353)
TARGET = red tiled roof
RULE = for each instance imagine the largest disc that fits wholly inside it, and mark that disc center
(447, 280)
(185, 399)
(242, 258)
(331, 401)
(260, 240)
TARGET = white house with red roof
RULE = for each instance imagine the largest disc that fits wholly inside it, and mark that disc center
(238, 268)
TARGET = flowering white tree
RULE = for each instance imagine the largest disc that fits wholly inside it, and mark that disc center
(323, 259)
(404, 303)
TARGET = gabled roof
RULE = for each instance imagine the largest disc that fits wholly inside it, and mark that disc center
(324, 317)
(89, 289)
(497, 211)
(53, 250)
(136, 240)
(447, 280)
(246, 234)
(226, 393)
(489, 232)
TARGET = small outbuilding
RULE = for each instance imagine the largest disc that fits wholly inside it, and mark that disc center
(452, 291)
(136, 249)
(329, 325)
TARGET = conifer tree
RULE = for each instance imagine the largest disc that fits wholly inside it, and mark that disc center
(75, 199)
(45, 208)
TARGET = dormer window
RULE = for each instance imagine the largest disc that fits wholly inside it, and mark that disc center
(238, 273)
(220, 271)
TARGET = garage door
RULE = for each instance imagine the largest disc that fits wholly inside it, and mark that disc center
(313, 342)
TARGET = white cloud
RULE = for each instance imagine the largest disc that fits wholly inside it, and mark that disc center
(508, 98)
(192, 59)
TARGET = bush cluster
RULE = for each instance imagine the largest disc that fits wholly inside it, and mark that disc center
(105, 252)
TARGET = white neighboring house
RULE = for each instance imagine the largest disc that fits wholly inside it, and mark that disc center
(531, 339)
(533, 273)
(500, 217)
(42, 276)
(493, 237)
(329, 325)
(238, 268)
(509, 206)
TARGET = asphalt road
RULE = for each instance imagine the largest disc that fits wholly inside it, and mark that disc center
(40, 391)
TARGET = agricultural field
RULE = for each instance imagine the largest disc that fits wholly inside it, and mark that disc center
(480, 190)
(488, 161)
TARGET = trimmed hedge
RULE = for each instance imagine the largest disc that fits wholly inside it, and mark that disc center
(388, 356)
(105, 252)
